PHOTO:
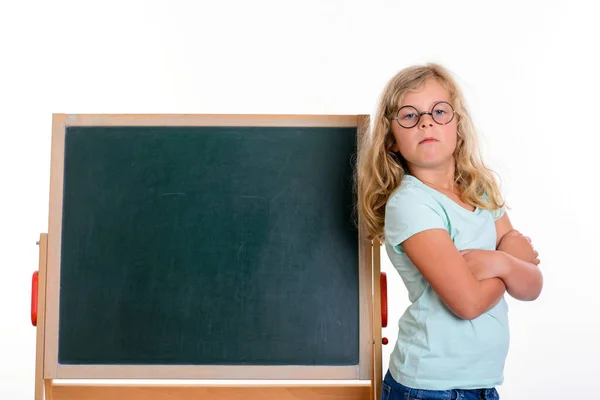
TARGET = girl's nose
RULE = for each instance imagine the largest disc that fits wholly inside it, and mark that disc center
(426, 120)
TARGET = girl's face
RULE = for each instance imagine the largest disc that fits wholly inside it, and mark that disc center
(428, 145)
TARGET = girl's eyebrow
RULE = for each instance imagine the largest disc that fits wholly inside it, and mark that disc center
(432, 104)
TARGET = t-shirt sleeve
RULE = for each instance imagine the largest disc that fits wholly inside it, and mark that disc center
(408, 213)
(497, 213)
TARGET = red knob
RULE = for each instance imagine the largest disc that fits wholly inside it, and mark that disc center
(384, 305)
(384, 340)
(34, 298)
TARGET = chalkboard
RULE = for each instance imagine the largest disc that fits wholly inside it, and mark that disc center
(208, 246)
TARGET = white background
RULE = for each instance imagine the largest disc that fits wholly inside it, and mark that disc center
(530, 71)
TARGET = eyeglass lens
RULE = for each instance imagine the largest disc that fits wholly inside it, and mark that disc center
(408, 116)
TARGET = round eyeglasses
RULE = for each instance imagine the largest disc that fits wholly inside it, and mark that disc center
(442, 113)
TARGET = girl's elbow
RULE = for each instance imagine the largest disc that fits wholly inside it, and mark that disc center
(537, 286)
(475, 311)
(528, 296)
(472, 314)
(531, 293)
(535, 293)
(468, 310)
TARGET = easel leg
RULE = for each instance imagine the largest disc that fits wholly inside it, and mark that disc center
(40, 324)
(377, 326)
(48, 389)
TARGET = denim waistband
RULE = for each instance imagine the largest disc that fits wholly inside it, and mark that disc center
(454, 394)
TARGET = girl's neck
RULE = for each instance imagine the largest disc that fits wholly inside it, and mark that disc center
(440, 179)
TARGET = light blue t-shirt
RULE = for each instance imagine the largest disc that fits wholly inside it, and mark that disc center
(437, 350)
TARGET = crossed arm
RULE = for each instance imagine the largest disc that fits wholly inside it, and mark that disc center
(515, 262)
(473, 282)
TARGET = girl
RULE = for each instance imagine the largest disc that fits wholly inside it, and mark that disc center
(425, 192)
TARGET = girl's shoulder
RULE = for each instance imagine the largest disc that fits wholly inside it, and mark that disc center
(411, 209)
(410, 196)
(410, 190)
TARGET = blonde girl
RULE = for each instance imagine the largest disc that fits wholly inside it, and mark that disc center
(424, 192)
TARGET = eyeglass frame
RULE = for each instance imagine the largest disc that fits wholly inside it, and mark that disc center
(425, 113)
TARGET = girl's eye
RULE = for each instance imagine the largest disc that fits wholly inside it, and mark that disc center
(440, 112)
(409, 116)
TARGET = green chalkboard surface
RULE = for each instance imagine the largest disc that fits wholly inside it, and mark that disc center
(209, 246)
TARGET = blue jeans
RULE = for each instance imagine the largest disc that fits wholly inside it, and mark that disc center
(392, 390)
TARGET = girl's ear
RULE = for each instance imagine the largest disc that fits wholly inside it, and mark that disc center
(395, 148)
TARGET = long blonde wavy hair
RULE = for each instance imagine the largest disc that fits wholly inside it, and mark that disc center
(380, 170)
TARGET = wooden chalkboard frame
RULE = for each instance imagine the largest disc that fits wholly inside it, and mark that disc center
(366, 374)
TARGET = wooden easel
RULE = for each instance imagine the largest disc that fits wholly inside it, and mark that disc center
(48, 374)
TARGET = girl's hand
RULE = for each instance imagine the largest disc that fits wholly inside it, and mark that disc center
(485, 264)
(519, 246)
